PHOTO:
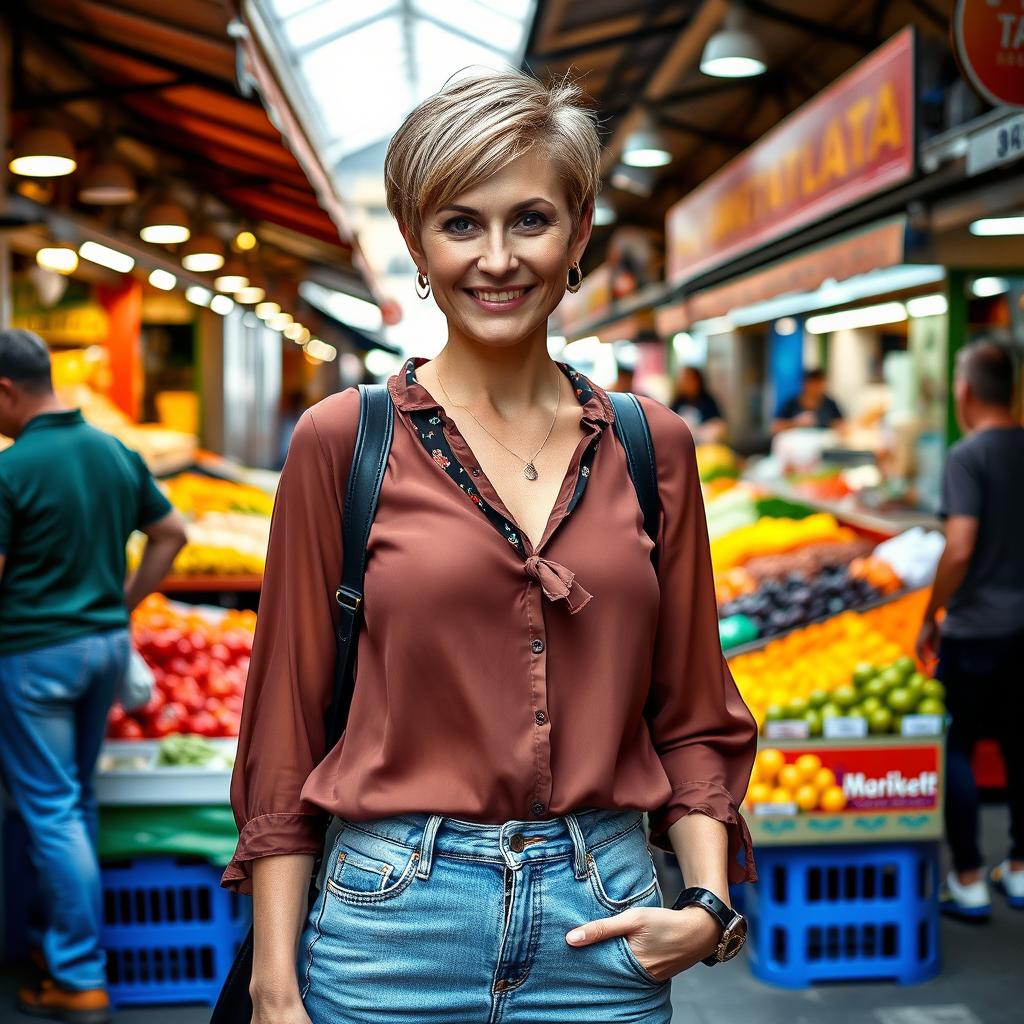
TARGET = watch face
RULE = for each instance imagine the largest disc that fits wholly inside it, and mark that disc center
(734, 938)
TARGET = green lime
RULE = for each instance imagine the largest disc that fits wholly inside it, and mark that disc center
(796, 707)
(933, 688)
(863, 673)
(830, 710)
(844, 696)
(875, 688)
(891, 677)
(901, 700)
(931, 706)
(906, 666)
(870, 704)
(917, 680)
(813, 719)
(880, 721)
(818, 699)
(774, 713)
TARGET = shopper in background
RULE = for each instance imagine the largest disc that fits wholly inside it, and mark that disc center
(69, 497)
(698, 407)
(813, 407)
(980, 583)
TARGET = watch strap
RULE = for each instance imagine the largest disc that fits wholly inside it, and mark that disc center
(700, 897)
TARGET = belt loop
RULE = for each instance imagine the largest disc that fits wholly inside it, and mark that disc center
(579, 862)
(427, 845)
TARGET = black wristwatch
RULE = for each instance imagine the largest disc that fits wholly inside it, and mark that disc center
(734, 926)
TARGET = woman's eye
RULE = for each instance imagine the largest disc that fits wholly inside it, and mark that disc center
(459, 225)
(533, 219)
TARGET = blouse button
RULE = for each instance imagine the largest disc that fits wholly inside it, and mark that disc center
(537, 808)
(537, 646)
(475, 471)
(540, 717)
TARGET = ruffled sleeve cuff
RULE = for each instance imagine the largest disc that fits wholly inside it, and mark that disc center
(268, 836)
(716, 802)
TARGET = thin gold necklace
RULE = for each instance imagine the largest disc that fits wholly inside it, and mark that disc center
(529, 469)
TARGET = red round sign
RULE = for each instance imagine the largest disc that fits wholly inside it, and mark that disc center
(989, 44)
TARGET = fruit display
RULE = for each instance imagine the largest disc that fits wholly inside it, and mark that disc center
(731, 510)
(801, 782)
(219, 544)
(177, 751)
(773, 537)
(716, 461)
(199, 665)
(806, 560)
(195, 494)
(823, 656)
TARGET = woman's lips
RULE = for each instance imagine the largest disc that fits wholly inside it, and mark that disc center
(499, 300)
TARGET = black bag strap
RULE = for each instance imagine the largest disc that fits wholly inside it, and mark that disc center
(634, 433)
(369, 459)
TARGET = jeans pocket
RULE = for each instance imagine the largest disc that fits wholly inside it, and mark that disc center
(54, 675)
(622, 872)
(367, 868)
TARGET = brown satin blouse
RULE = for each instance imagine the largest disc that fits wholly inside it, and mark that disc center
(494, 681)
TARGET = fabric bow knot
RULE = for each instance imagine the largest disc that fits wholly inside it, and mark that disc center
(557, 582)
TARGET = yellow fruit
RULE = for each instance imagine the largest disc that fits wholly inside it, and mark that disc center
(759, 793)
(824, 778)
(767, 764)
(808, 765)
(807, 798)
(790, 777)
(781, 795)
(833, 799)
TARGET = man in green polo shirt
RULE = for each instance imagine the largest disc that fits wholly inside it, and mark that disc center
(70, 496)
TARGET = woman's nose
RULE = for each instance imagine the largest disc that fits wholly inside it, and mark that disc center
(498, 259)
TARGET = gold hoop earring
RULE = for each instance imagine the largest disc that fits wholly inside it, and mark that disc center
(574, 278)
(422, 285)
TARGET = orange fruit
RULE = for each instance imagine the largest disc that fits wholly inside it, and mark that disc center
(807, 765)
(759, 793)
(767, 764)
(824, 778)
(790, 777)
(781, 795)
(833, 799)
(807, 798)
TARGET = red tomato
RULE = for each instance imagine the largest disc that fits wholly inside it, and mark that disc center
(219, 652)
(213, 704)
(127, 729)
(203, 723)
(180, 666)
(116, 715)
(233, 703)
(229, 722)
(197, 640)
(184, 646)
(168, 682)
(220, 685)
(149, 710)
(162, 646)
(187, 692)
(170, 718)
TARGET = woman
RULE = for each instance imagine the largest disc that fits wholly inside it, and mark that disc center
(511, 719)
(698, 407)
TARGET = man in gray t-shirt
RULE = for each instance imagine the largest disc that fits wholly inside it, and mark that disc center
(980, 583)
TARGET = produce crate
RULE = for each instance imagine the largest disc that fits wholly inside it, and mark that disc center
(892, 787)
(129, 776)
(845, 913)
(170, 931)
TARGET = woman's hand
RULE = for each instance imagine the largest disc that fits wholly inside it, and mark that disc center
(666, 942)
(278, 1006)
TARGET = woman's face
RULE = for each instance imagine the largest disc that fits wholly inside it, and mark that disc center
(497, 255)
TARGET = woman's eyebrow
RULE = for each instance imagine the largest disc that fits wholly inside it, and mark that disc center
(470, 211)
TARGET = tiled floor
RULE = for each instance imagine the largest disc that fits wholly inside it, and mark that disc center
(982, 982)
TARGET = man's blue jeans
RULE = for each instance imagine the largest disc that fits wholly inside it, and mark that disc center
(53, 710)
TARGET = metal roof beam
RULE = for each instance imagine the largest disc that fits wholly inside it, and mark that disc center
(720, 138)
(604, 42)
(834, 33)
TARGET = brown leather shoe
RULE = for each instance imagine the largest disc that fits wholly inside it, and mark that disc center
(48, 999)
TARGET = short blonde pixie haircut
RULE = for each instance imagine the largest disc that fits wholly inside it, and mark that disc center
(476, 125)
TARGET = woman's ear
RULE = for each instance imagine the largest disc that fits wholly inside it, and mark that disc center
(412, 243)
(582, 237)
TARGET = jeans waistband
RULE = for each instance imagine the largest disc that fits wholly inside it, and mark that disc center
(514, 843)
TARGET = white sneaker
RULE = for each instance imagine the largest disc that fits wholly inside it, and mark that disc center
(967, 901)
(1009, 883)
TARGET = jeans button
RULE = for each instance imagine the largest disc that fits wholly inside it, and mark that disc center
(537, 646)
(516, 843)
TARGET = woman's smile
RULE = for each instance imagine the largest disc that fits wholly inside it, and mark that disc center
(499, 300)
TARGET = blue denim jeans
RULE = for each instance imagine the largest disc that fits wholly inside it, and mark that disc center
(53, 711)
(430, 919)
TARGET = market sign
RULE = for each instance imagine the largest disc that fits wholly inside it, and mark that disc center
(882, 245)
(988, 39)
(854, 140)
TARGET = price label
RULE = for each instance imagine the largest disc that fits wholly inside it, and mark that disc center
(997, 144)
(787, 729)
(845, 727)
(768, 810)
(921, 725)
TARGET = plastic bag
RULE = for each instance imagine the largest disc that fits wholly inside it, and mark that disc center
(136, 685)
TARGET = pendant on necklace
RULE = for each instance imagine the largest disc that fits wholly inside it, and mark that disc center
(530, 471)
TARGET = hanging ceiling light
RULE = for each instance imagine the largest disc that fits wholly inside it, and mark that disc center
(43, 153)
(645, 148)
(733, 51)
(202, 253)
(279, 321)
(108, 184)
(250, 294)
(265, 310)
(295, 331)
(165, 223)
(233, 276)
(61, 258)
(162, 279)
(245, 241)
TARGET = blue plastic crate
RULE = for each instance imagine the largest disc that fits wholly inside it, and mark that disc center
(170, 930)
(845, 913)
